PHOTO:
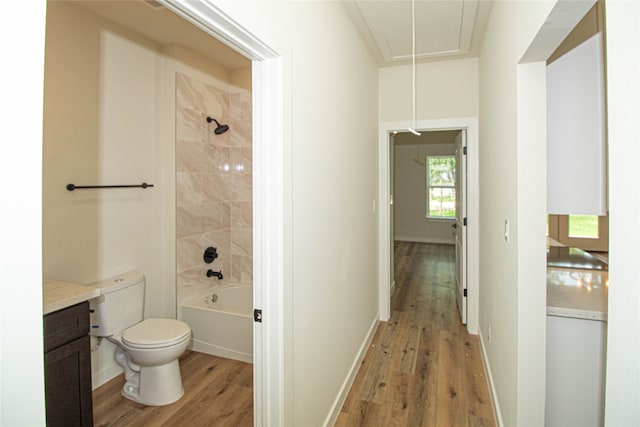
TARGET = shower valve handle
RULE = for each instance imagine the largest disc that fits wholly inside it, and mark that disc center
(211, 273)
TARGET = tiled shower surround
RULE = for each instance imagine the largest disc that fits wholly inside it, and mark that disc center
(213, 186)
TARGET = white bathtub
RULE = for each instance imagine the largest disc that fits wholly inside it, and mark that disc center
(223, 327)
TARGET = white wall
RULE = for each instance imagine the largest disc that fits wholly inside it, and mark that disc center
(22, 28)
(512, 149)
(330, 177)
(444, 89)
(101, 127)
(409, 195)
(100, 119)
(623, 331)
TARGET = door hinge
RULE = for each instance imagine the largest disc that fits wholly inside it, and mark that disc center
(464, 221)
(257, 315)
(464, 293)
(464, 150)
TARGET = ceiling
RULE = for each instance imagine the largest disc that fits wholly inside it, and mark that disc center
(445, 29)
(153, 21)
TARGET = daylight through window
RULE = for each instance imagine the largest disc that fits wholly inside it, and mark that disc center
(441, 187)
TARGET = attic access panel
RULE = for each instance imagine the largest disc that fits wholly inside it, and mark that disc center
(442, 27)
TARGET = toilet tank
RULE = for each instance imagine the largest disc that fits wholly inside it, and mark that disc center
(119, 306)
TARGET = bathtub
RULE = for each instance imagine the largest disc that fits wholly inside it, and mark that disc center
(222, 322)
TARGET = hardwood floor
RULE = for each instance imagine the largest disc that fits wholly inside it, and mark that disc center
(218, 392)
(423, 368)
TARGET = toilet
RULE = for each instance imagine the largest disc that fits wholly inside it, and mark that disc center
(147, 350)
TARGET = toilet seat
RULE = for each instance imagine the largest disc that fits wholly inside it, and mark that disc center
(156, 333)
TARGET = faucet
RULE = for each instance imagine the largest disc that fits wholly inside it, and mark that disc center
(211, 273)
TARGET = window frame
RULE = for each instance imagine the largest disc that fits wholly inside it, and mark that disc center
(559, 231)
(429, 187)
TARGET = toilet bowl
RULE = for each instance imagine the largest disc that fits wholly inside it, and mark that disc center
(147, 350)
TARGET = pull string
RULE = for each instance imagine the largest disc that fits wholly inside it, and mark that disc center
(413, 56)
(413, 64)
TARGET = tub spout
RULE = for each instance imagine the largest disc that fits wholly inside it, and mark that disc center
(218, 274)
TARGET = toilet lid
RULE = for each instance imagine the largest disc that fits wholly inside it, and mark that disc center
(156, 333)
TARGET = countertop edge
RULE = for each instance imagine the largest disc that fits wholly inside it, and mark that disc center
(59, 295)
(577, 314)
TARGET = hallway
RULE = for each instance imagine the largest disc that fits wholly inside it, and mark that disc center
(423, 368)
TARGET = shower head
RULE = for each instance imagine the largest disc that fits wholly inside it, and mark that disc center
(220, 128)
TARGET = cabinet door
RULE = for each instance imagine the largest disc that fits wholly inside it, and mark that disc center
(576, 142)
(68, 385)
(66, 325)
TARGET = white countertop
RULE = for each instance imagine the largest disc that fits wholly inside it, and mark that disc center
(577, 293)
(57, 295)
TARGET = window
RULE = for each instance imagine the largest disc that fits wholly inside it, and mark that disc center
(441, 187)
(588, 232)
(583, 226)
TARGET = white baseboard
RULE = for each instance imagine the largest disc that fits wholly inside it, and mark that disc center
(424, 240)
(353, 371)
(105, 375)
(215, 350)
(497, 414)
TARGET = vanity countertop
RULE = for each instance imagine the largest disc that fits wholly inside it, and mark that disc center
(577, 293)
(57, 295)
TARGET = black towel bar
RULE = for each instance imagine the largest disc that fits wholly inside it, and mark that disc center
(72, 187)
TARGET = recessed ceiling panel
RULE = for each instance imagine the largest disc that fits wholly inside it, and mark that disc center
(443, 27)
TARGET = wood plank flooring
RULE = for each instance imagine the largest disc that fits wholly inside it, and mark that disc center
(218, 392)
(423, 368)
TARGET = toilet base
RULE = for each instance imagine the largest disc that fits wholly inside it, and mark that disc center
(155, 385)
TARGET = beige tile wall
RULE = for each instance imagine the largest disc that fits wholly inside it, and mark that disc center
(213, 186)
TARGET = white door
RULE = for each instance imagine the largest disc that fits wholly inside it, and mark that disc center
(460, 226)
(392, 278)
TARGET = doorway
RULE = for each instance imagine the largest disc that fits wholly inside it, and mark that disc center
(387, 232)
(429, 196)
(267, 197)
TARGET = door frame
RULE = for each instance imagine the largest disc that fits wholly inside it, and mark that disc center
(268, 201)
(385, 238)
(460, 226)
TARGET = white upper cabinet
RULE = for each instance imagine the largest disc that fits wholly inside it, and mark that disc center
(576, 140)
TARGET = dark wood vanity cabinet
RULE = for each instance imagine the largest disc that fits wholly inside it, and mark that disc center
(67, 360)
